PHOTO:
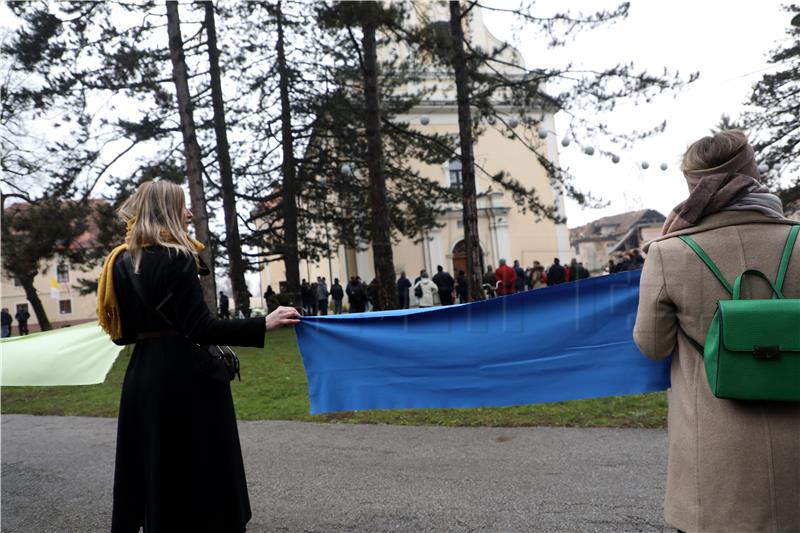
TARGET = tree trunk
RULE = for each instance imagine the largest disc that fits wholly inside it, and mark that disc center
(36, 303)
(381, 235)
(469, 200)
(191, 150)
(232, 240)
(291, 259)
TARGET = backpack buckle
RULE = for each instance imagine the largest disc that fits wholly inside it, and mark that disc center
(766, 352)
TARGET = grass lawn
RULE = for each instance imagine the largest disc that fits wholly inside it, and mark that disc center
(274, 387)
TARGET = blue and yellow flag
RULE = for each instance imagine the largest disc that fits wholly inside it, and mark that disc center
(566, 342)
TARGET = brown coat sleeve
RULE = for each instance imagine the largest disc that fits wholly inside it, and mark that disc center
(656, 329)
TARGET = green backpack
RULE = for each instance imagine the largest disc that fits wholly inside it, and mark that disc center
(752, 350)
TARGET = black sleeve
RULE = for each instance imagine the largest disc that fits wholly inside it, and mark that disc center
(191, 316)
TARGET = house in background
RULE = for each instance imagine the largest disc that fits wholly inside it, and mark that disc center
(595, 243)
(55, 286)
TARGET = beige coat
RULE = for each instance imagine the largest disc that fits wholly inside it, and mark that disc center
(734, 466)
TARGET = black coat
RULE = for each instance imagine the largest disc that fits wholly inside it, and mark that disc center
(556, 274)
(179, 465)
(403, 284)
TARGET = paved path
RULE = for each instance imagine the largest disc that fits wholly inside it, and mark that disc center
(57, 477)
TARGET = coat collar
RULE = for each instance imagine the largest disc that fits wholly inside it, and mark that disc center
(721, 220)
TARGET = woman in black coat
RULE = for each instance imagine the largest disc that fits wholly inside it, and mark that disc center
(179, 464)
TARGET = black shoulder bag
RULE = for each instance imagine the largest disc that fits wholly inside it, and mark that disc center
(218, 361)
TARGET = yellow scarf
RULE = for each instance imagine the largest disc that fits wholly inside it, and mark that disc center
(107, 305)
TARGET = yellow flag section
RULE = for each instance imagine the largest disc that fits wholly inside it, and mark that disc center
(77, 355)
(55, 291)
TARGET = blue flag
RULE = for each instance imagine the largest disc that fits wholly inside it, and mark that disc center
(565, 342)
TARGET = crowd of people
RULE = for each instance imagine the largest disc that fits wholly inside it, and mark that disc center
(443, 289)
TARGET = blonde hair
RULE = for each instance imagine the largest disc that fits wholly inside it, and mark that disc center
(713, 150)
(154, 217)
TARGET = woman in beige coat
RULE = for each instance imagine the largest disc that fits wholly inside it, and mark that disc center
(734, 466)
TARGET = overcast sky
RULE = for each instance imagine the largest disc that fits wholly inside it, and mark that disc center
(727, 42)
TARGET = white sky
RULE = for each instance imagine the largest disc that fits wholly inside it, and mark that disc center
(726, 41)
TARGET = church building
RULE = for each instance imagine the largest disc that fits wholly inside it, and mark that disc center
(505, 232)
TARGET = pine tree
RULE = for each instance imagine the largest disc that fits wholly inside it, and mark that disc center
(191, 147)
(361, 133)
(772, 123)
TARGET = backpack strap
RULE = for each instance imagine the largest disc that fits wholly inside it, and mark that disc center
(787, 254)
(707, 260)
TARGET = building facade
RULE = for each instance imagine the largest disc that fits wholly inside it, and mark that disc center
(505, 232)
(55, 288)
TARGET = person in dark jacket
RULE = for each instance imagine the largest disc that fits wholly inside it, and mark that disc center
(358, 296)
(556, 273)
(224, 306)
(403, 284)
(179, 464)
(6, 322)
(348, 290)
(337, 294)
(307, 297)
(519, 285)
(271, 299)
(462, 287)
(322, 296)
(312, 297)
(583, 273)
(626, 264)
(445, 284)
(489, 281)
(372, 294)
(22, 317)
(636, 258)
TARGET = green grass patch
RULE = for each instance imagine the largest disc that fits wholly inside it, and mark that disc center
(274, 387)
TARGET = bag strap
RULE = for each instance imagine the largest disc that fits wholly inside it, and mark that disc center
(137, 287)
(707, 260)
(787, 254)
(737, 286)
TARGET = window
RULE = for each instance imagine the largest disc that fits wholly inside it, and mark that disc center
(65, 307)
(20, 307)
(62, 273)
(454, 169)
(17, 282)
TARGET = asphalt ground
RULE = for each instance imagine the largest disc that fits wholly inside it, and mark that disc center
(57, 475)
